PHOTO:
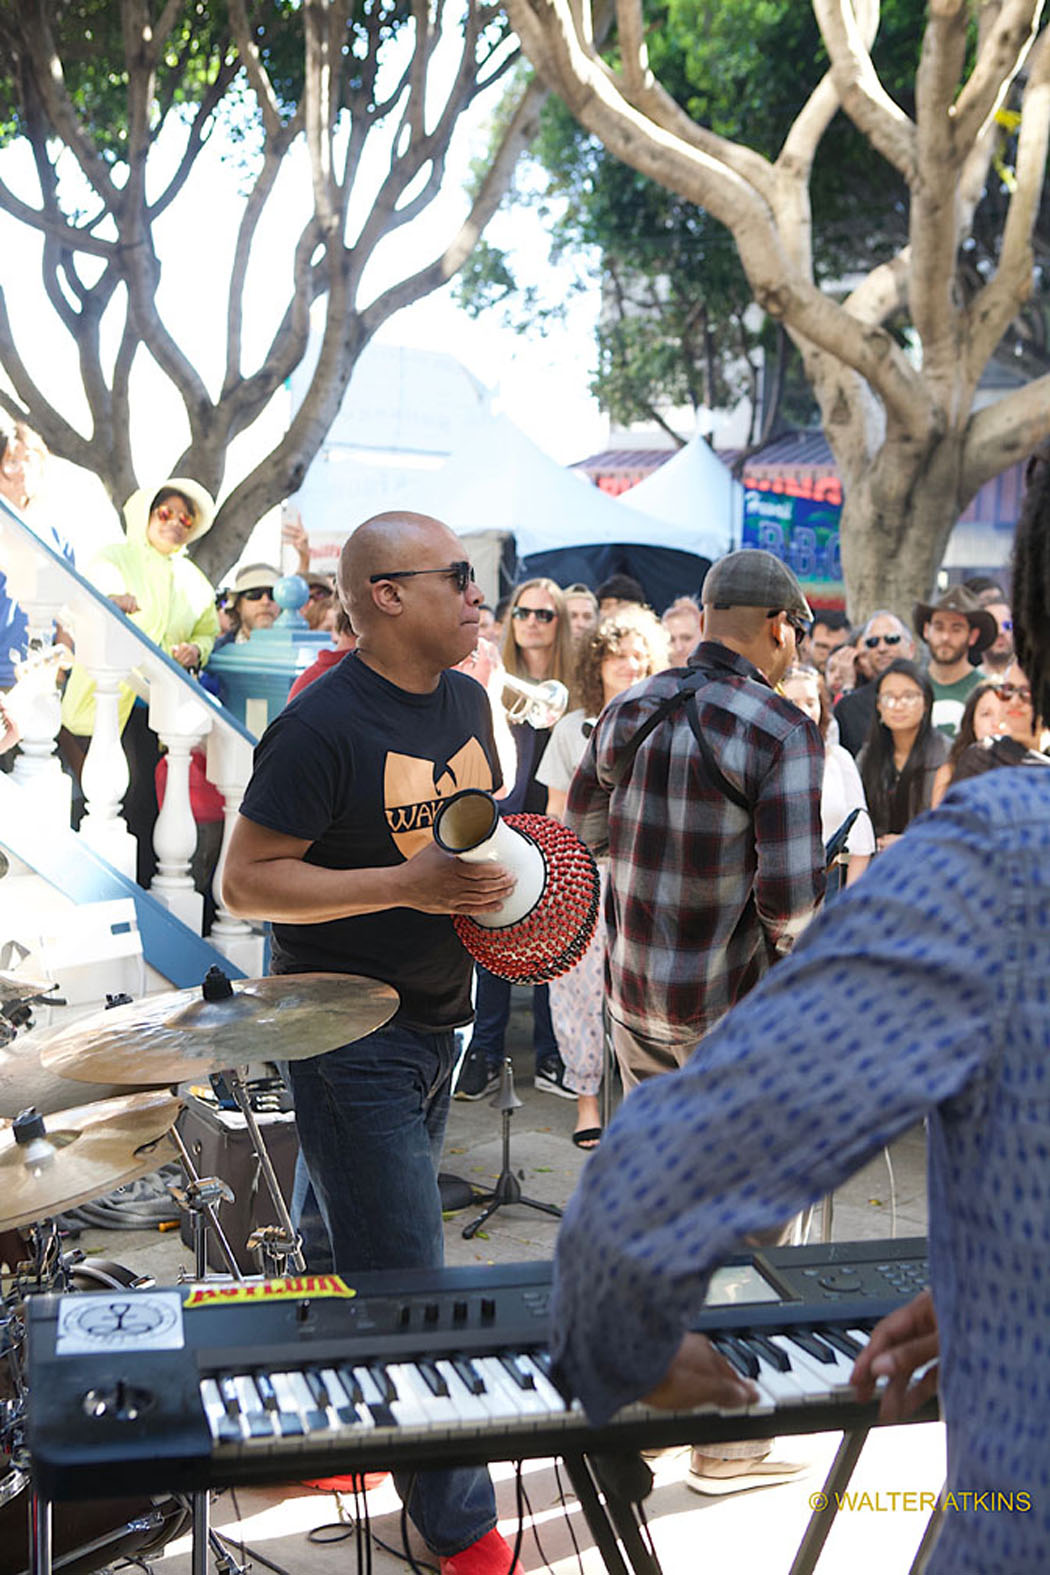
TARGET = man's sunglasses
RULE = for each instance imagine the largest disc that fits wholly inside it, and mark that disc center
(461, 571)
(257, 593)
(544, 614)
(873, 641)
(800, 626)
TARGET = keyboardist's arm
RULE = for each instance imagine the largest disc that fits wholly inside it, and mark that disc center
(902, 1343)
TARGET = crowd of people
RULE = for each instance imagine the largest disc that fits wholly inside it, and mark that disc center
(709, 758)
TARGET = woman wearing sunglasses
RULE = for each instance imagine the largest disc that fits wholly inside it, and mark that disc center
(1021, 737)
(150, 578)
(903, 752)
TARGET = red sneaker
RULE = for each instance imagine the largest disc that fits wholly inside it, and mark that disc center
(349, 1484)
(490, 1555)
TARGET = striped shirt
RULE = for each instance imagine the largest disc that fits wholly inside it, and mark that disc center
(702, 894)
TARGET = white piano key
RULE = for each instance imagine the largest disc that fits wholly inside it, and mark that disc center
(435, 1410)
(523, 1402)
(820, 1381)
(469, 1407)
(214, 1408)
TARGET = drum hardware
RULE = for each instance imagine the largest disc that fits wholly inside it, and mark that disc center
(200, 1198)
(273, 1248)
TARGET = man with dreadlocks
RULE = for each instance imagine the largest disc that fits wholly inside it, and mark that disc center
(900, 1002)
(334, 844)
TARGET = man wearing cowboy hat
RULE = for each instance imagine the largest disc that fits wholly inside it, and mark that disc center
(952, 628)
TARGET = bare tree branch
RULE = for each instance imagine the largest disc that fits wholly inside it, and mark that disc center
(862, 95)
(1002, 55)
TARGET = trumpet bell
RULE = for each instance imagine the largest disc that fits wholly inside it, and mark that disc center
(539, 704)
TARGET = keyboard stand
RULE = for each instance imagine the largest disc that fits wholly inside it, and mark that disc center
(614, 1523)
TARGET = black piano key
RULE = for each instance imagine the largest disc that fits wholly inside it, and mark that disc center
(351, 1384)
(469, 1374)
(811, 1345)
(228, 1391)
(766, 1351)
(842, 1342)
(383, 1382)
(317, 1387)
(266, 1391)
(382, 1416)
(523, 1379)
(745, 1361)
(431, 1377)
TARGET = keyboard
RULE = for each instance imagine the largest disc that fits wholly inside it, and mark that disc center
(219, 1384)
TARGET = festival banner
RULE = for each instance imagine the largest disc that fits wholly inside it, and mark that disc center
(805, 534)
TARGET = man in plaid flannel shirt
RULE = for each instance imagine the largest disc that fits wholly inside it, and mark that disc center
(713, 835)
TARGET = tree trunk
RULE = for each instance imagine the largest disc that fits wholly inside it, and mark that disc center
(893, 538)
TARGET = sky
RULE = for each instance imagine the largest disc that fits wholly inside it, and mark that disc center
(540, 383)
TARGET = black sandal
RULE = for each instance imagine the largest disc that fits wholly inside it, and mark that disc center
(587, 1137)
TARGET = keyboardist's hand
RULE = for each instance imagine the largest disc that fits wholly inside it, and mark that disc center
(900, 1345)
(700, 1375)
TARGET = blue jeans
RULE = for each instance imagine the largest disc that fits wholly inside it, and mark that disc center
(492, 1004)
(371, 1118)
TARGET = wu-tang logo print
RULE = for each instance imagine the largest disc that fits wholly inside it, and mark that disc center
(413, 789)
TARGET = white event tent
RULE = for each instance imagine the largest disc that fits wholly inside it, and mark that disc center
(497, 485)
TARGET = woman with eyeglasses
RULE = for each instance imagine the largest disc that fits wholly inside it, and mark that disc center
(1021, 738)
(884, 639)
(537, 645)
(903, 753)
(150, 578)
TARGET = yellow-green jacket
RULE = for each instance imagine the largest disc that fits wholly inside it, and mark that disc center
(176, 602)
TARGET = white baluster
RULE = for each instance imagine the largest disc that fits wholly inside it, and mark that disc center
(229, 767)
(179, 717)
(37, 767)
(104, 777)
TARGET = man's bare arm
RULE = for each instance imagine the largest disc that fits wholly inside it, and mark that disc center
(265, 877)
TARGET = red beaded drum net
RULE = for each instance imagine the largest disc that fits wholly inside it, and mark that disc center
(552, 938)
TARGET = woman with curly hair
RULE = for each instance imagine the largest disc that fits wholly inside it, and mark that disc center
(626, 647)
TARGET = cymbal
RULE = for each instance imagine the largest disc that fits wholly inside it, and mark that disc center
(94, 1151)
(12, 988)
(24, 1082)
(178, 1036)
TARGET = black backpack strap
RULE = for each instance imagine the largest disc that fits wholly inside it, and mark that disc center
(686, 696)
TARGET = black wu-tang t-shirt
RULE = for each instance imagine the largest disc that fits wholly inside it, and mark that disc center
(358, 767)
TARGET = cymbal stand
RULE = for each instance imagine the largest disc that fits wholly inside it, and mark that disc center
(508, 1187)
(291, 1245)
(199, 1198)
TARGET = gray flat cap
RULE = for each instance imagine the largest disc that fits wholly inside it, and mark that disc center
(753, 578)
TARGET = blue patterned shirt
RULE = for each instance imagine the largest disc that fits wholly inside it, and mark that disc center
(925, 989)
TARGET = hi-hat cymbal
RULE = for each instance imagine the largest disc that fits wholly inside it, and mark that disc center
(93, 1150)
(179, 1036)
